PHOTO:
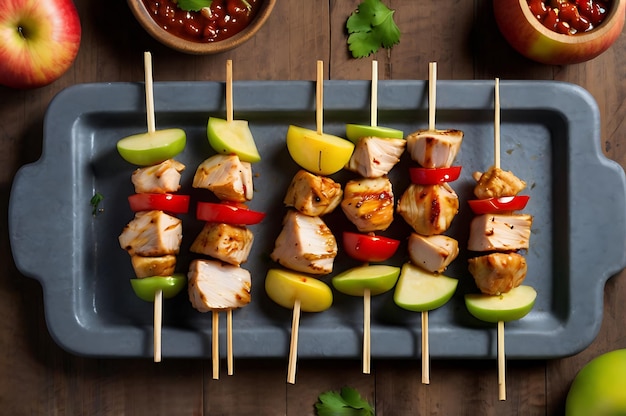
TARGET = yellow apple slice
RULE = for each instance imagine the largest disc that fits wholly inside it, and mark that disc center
(378, 278)
(419, 290)
(285, 287)
(150, 148)
(321, 154)
(234, 136)
(505, 307)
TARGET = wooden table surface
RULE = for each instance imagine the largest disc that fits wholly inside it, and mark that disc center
(38, 377)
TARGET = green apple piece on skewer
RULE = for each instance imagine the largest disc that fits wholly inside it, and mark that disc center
(377, 279)
(419, 290)
(506, 307)
(232, 136)
(152, 147)
(354, 132)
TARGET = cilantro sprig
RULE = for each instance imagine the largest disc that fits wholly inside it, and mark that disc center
(370, 27)
(346, 403)
(95, 203)
(193, 5)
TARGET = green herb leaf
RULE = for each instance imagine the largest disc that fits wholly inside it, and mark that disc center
(95, 202)
(347, 403)
(193, 5)
(370, 27)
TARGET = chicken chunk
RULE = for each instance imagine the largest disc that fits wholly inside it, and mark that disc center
(374, 157)
(153, 266)
(225, 242)
(313, 195)
(152, 234)
(434, 149)
(305, 244)
(160, 179)
(217, 286)
(429, 209)
(433, 253)
(229, 178)
(498, 273)
(369, 203)
(498, 232)
(496, 183)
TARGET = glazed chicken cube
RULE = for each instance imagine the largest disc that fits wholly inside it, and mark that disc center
(433, 253)
(496, 183)
(152, 234)
(225, 242)
(434, 148)
(498, 273)
(429, 209)
(497, 232)
(313, 195)
(305, 244)
(160, 179)
(217, 286)
(229, 178)
(374, 157)
(153, 266)
(369, 203)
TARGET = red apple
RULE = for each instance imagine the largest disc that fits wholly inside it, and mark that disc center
(39, 40)
(530, 38)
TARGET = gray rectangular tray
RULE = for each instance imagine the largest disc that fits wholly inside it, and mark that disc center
(550, 138)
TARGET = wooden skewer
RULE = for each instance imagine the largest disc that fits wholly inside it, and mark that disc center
(158, 295)
(293, 346)
(366, 331)
(425, 350)
(215, 345)
(229, 90)
(374, 97)
(319, 97)
(496, 126)
(229, 341)
(432, 94)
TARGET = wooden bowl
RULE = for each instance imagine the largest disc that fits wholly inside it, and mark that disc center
(144, 18)
(529, 37)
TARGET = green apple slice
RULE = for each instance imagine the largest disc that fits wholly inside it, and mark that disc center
(146, 287)
(284, 287)
(378, 278)
(419, 290)
(150, 148)
(321, 154)
(354, 132)
(506, 307)
(233, 136)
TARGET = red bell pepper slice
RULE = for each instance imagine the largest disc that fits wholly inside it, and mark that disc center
(172, 203)
(502, 204)
(369, 248)
(228, 213)
(434, 176)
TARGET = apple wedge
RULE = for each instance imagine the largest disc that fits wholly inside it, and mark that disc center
(419, 290)
(285, 287)
(146, 149)
(234, 136)
(378, 278)
(356, 131)
(506, 307)
(321, 154)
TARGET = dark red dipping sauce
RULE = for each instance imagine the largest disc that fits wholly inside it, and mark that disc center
(570, 17)
(222, 20)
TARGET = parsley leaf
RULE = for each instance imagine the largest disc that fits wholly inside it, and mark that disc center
(95, 202)
(347, 403)
(370, 27)
(193, 5)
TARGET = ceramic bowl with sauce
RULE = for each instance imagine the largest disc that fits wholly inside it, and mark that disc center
(224, 25)
(527, 29)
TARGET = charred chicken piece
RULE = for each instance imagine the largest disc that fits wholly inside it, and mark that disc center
(434, 148)
(374, 157)
(496, 183)
(433, 253)
(229, 178)
(152, 234)
(159, 179)
(313, 195)
(213, 285)
(498, 273)
(225, 242)
(498, 232)
(153, 266)
(305, 244)
(429, 209)
(369, 203)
